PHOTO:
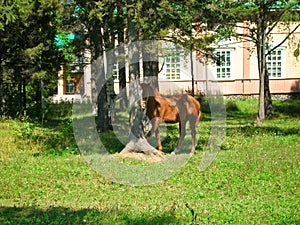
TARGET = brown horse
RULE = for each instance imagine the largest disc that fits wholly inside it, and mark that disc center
(177, 109)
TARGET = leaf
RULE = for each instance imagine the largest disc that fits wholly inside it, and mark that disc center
(296, 52)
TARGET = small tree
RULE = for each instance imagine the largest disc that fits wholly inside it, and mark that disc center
(263, 16)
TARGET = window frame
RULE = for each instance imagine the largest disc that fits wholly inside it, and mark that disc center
(68, 87)
(282, 62)
(115, 72)
(225, 67)
(172, 62)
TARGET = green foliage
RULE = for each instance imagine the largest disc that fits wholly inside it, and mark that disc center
(10, 11)
(28, 54)
(204, 102)
(60, 111)
(231, 106)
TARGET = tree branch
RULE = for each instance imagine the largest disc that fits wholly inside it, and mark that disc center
(284, 40)
(278, 20)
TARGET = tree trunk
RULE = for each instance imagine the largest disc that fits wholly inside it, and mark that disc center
(20, 111)
(103, 119)
(109, 79)
(192, 72)
(98, 80)
(122, 86)
(122, 75)
(269, 111)
(150, 64)
(1, 91)
(24, 97)
(150, 72)
(43, 101)
(121, 60)
(137, 141)
(261, 56)
(95, 34)
(134, 77)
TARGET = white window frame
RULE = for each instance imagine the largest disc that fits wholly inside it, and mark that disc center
(224, 67)
(116, 72)
(172, 67)
(172, 62)
(276, 63)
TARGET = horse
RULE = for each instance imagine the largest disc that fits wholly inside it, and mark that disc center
(176, 109)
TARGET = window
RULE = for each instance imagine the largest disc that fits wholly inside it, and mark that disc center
(275, 63)
(116, 71)
(77, 65)
(224, 67)
(70, 87)
(172, 66)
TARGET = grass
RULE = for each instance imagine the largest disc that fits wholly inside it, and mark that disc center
(253, 180)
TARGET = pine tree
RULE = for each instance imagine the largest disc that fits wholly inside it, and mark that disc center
(29, 53)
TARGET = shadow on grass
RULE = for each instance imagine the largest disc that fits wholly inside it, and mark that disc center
(244, 108)
(287, 107)
(56, 136)
(250, 130)
(111, 142)
(241, 118)
(60, 215)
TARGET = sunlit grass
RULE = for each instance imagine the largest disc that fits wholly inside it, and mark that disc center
(254, 179)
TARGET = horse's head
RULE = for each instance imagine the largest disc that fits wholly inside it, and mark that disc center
(149, 90)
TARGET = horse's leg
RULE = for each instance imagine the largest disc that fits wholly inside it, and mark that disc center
(193, 133)
(182, 126)
(155, 124)
(159, 146)
(155, 129)
(149, 134)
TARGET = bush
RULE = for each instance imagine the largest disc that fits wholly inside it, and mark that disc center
(231, 106)
(58, 111)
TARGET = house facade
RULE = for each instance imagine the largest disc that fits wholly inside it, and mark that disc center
(236, 73)
(75, 85)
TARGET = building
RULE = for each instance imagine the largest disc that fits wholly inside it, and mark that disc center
(236, 74)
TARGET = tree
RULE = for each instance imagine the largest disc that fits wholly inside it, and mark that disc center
(132, 21)
(263, 16)
(101, 29)
(137, 141)
(9, 15)
(29, 53)
(270, 14)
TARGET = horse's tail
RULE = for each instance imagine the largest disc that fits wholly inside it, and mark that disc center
(198, 108)
(200, 116)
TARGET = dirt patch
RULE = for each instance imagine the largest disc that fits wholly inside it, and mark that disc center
(151, 158)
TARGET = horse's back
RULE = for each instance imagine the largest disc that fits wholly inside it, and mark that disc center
(166, 109)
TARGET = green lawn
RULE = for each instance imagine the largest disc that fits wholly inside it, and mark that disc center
(255, 178)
